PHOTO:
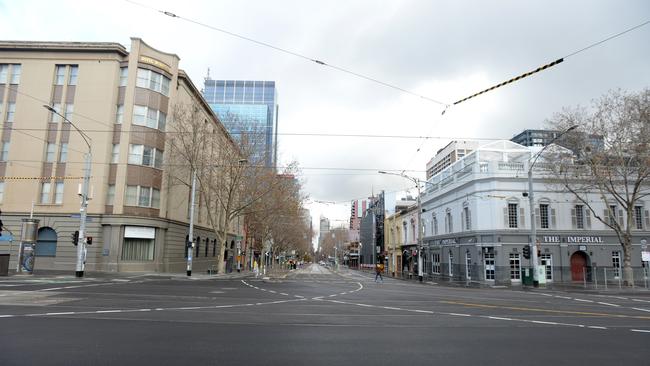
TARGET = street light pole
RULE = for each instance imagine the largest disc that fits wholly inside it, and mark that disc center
(83, 210)
(190, 246)
(531, 201)
(417, 184)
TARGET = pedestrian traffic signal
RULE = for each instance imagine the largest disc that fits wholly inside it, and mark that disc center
(527, 252)
(75, 237)
(89, 240)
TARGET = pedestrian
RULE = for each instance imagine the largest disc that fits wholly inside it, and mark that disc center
(379, 269)
(256, 268)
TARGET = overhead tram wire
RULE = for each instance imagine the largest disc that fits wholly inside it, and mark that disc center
(293, 53)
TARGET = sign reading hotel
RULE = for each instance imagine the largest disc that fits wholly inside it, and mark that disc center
(156, 63)
(574, 239)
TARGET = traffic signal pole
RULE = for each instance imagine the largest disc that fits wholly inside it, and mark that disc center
(81, 247)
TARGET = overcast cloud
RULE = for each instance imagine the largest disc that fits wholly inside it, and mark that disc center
(444, 50)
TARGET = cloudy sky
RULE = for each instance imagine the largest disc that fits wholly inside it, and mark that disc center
(444, 50)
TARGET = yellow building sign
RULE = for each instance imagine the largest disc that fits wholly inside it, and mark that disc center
(156, 63)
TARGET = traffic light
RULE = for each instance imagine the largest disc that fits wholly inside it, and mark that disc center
(89, 240)
(527, 252)
(75, 237)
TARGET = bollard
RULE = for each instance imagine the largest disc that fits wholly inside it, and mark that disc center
(584, 276)
(605, 274)
(596, 277)
(619, 279)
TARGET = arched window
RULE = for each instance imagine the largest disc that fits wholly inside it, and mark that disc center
(198, 245)
(207, 245)
(46, 242)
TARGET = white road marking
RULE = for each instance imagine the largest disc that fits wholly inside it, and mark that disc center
(498, 318)
(545, 294)
(583, 300)
(608, 304)
(543, 322)
(639, 300)
(563, 297)
(109, 311)
(458, 314)
(640, 330)
(7, 316)
(596, 327)
(640, 309)
(282, 293)
(63, 313)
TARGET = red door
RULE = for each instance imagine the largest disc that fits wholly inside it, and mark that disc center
(578, 264)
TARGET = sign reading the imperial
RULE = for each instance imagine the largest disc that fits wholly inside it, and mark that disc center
(448, 241)
(156, 63)
(585, 239)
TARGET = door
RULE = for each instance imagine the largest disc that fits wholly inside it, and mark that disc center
(578, 266)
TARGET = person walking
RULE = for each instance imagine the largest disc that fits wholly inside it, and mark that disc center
(379, 268)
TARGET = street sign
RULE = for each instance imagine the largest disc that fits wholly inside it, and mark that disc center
(645, 256)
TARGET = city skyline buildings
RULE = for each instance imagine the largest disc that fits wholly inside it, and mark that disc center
(250, 105)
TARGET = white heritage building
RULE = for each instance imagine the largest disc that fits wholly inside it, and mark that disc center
(476, 223)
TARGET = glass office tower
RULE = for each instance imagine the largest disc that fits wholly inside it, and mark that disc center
(248, 103)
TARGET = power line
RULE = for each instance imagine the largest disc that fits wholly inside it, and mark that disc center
(292, 53)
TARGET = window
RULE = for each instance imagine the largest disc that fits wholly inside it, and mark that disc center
(449, 225)
(512, 216)
(110, 194)
(69, 109)
(124, 74)
(63, 153)
(198, 246)
(137, 249)
(142, 196)
(15, 74)
(616, 263)
(11, 110)
(152, 118)
(435, 225)
(74, 71)
(435, 260)
(115, 154)
(119, 114)
(153, 81)
(515, 267)
(612, 215)
(489, 266)
(580, 216)
(207, 245)
(145, 155)
(638, 217)
(451, 264)
(58, 193)
(4, 69)
(135, 154)
(45, 192)
(54, 117)
(4, 154)
(468, 266)
(59, 75)
(543, 216)
(49, 153)
(2, 191)
(468, 218)
(214, 248)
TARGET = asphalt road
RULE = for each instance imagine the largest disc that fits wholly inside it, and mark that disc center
(312, 316)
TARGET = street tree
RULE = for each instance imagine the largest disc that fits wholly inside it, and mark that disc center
(229, 181)
(609, 163)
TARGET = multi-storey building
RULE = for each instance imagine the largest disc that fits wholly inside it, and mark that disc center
(448, 155)
(477, 222)
(250, 105)
(323, 229)
(400, 238)
(123, 101)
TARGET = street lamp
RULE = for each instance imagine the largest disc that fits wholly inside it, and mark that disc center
(417, 184)
(81, 247)
(531, 202)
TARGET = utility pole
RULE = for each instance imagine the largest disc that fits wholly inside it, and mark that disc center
(531, 202)
(83, 210)
(190, 246)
